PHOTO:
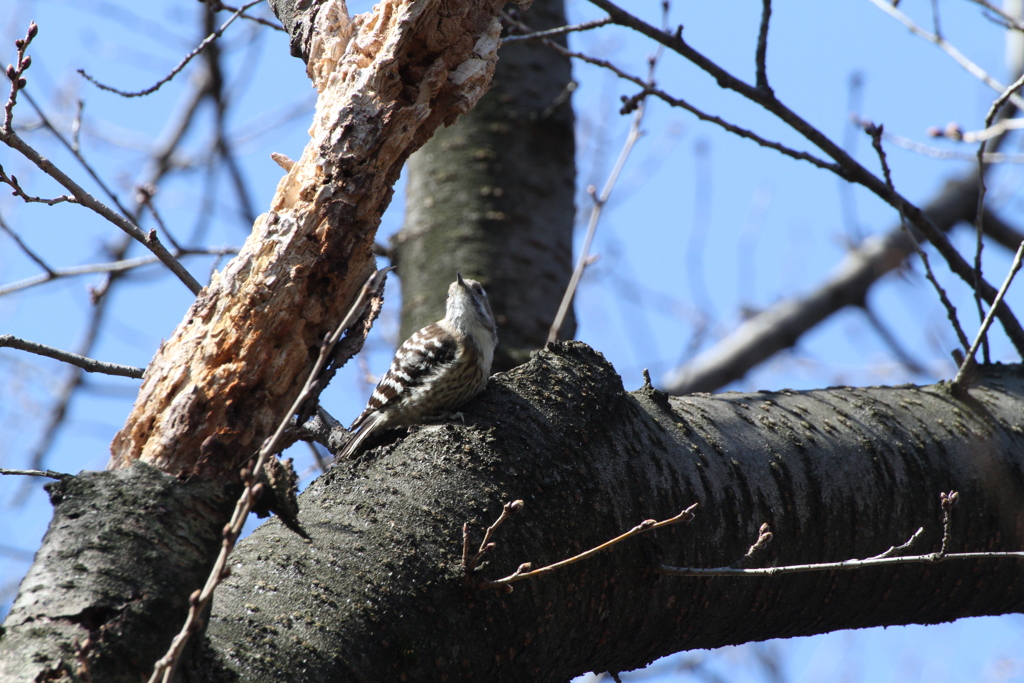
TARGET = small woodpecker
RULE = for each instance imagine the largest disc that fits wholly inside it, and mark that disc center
(437, 369)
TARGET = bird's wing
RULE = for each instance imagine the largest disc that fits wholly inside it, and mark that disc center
(418, 359)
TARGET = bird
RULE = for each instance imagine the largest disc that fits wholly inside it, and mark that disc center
(436, 370)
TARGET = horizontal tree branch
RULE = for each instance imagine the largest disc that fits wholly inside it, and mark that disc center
(839, 473)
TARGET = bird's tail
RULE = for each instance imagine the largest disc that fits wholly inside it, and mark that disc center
(370, 426)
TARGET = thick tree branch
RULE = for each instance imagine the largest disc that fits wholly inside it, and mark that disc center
(836, 473)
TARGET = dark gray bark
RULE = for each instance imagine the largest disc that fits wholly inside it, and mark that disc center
(493, 196)
(378, 593)
(122, 554)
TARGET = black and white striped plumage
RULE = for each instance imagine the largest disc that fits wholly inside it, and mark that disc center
(437, 369)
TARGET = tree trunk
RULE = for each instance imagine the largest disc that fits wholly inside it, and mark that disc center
(378, 592)
(493, 196)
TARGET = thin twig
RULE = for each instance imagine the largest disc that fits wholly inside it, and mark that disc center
(470, 561)
(165, 666)
(14, 73)
(710, 118)
(954, 155)
(181, 65)
(876, 140)
(600, 200)
(954, 132)
(1008, 20)
(845, 167)
(595, 215)
(948, 501)
(957, 56)
(561, 30)
(25, 248)
(830, 566)
(993, 111)
(87, 364)
(762, 47)
(969, 362)
(150, 239)
(259, 20)
(27, 198)
(109, 267)
(50, 474)
(77, 153)
(525, 572)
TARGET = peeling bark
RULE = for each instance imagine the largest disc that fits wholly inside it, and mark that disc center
(220, 384)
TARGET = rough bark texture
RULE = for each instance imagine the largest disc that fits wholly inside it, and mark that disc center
(230, 371)
(378, 593)
(81, 586)
(493, 196)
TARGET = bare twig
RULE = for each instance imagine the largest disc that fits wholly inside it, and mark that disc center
(27, 198)
(830, 566)
(77, 153)
(956, 55)
(637, 102)
(471, 561)
(993, 111)
(876, 140)
(82, 197)
(109, 267)
(50, 474)
(954, 132)
(165, 666)
(954, 155)
(561, 30)
(764, 537)
(217, 5)
(948, 500)
(710, 118)
(181, 65)
(14, 73)
(595, 215)
(762, 47)
(144, 198)
(87, 364)
(25, 248)
(1008, 20)
(525, 572)
(969, 362)
(846, 166)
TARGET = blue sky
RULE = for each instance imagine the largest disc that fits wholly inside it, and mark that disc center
(701, 226)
